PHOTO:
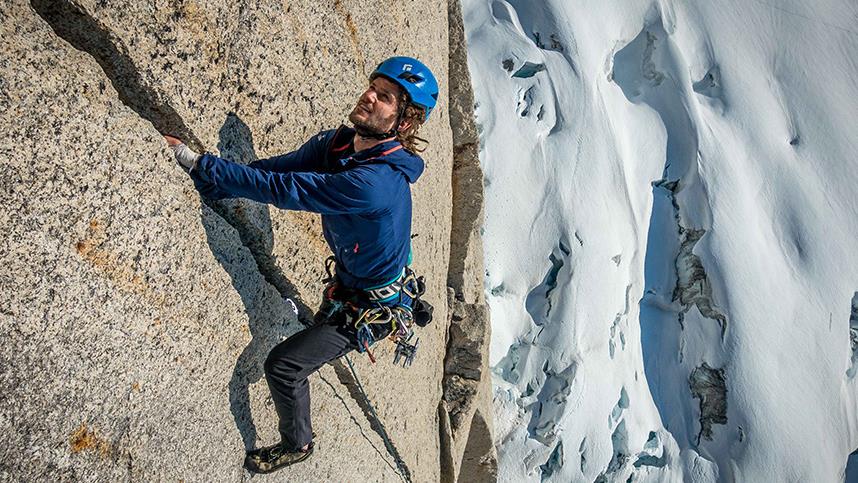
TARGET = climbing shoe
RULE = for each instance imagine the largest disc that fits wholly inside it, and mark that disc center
(272, 458)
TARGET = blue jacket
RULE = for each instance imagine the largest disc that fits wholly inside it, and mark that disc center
(364, 198)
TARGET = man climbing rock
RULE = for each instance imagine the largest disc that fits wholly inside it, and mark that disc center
(358, 180)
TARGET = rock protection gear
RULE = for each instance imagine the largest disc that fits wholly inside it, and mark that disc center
(378, 312)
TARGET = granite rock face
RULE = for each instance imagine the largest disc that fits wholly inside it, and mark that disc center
(135, 316)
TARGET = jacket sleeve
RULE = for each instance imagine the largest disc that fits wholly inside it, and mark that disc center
(306, 158)
(358, 190)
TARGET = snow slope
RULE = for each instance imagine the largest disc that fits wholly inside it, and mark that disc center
(671, 236)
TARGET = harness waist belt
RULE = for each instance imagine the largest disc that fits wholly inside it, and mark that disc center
(388, 291)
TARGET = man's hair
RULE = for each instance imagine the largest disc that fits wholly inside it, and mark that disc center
(408, 137)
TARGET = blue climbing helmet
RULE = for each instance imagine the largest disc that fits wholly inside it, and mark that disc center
(413, 76)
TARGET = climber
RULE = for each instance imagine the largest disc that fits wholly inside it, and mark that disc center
(358, 180)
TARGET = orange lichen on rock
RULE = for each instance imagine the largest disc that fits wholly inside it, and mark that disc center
(121, 273)
(84, 438)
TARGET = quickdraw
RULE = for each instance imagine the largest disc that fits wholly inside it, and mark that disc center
(393, 322)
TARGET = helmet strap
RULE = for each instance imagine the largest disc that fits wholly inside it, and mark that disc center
(366, 134)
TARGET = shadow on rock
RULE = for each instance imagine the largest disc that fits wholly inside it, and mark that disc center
(270, 318)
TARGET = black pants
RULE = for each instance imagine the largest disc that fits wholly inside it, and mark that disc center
(290, 363)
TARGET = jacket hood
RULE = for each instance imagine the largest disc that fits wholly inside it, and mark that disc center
(409, 164)
(393, 154)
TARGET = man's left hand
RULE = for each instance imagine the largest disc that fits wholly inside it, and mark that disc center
(185, 156)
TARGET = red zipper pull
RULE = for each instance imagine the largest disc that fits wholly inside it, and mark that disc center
(356, 248)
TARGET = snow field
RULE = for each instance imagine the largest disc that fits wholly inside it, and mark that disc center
(670, 236)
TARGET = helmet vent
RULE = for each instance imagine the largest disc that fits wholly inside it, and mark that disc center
(408, 76)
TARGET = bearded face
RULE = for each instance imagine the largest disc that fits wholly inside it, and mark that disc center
(377, 108)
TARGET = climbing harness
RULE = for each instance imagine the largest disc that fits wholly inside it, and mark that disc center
(373, 321)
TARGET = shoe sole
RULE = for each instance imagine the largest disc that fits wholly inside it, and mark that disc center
(279, 467)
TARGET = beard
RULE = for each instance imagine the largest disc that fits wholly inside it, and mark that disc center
(372, 124)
